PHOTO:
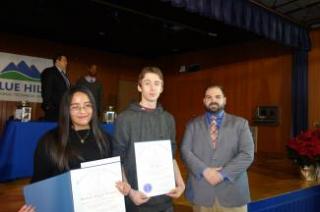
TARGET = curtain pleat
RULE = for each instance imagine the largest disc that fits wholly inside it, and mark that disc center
(300, 92)
(246, 15)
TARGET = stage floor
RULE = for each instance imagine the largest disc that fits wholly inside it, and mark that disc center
(268, 177)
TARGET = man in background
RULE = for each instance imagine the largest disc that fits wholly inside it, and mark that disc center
(94, 85)
(54, 82)
(217, 149)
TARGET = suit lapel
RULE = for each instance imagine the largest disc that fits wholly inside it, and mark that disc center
(225, 121)
(224, 125)
(205, 127)
(64, 77)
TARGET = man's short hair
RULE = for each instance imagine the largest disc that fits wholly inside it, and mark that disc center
(58, 56)
(150, 69)
(216, 86)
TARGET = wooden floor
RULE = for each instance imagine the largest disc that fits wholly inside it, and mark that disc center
(267, 177)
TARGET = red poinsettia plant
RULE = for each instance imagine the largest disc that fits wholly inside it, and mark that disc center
(304, 149)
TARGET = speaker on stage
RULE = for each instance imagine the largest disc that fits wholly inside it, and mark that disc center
(267, 115)
(189, 68)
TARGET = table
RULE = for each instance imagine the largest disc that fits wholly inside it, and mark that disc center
(18, 143)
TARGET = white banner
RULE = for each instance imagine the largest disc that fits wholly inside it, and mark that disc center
(20, 77)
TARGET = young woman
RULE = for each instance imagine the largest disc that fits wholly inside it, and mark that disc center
(78, 138)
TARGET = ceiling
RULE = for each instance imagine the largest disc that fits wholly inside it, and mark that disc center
(303, 12)
(143, 28)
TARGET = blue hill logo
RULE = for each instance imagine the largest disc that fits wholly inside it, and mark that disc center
(20, 72)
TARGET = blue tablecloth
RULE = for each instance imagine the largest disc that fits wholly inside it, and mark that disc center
(17, 146)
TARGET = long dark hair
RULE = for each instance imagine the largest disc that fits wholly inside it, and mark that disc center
(60, 149)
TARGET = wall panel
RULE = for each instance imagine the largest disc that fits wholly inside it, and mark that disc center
(249, 79)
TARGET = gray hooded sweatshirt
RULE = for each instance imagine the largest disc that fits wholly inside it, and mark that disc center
(137, 124)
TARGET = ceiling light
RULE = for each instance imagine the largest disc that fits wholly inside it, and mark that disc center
(212, 34)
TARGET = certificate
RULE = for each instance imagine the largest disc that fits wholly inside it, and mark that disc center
(154, 167)
(95, 186)
(100, 162)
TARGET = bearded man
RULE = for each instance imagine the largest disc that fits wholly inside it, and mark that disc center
(217, 149)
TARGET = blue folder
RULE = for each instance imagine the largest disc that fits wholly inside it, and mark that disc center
(51, 195)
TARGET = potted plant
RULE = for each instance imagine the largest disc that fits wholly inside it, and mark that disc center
(304, 149)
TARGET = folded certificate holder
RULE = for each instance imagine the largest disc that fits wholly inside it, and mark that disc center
(89, 189)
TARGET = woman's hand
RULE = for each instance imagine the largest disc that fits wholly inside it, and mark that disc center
(123, 187)
(138, 197)
(27, 208)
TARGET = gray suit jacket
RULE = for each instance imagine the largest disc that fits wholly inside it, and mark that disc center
(234, 152)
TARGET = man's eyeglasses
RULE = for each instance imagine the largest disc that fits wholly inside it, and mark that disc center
(78, 108)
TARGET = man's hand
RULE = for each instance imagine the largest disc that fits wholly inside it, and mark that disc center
(178, 190)
(212, 175)
(180, 186)
(138, 197)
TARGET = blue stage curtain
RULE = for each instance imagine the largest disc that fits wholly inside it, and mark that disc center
(246, 15)
(300, 92)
